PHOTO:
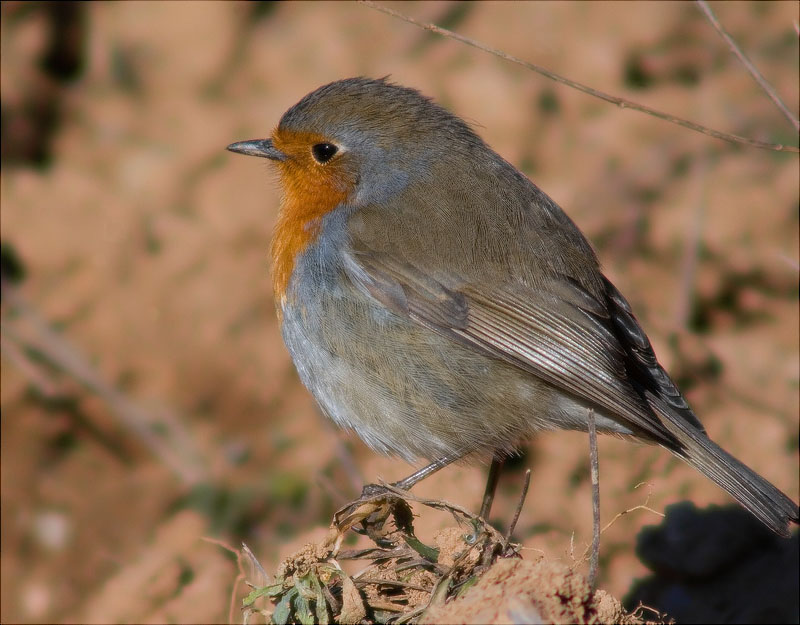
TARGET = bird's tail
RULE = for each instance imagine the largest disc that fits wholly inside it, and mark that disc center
(760, 497)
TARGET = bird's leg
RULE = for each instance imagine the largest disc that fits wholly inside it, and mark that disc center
(488, 496)
(433, 467)
(424, 472)
(595, 474)
(491, 486)
(417, 476)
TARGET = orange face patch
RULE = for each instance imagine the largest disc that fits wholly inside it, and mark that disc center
(310, 191)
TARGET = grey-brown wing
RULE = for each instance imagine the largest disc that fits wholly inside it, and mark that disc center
(591, 347)
(558, 332)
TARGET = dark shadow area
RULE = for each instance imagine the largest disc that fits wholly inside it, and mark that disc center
(717, 565)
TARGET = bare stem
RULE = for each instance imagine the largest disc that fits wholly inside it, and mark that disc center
(694, 240)
(620, 102)
(762, 82)
(174, 447)
(525, 485)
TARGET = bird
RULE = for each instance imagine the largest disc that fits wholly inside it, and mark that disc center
(440, 305)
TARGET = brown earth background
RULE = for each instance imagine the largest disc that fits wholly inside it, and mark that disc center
(145, 247)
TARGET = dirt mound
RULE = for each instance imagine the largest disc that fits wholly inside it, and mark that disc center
(469, 574)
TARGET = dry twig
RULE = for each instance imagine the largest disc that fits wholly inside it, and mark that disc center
(762, 82)
(620, 102)
(173, 446)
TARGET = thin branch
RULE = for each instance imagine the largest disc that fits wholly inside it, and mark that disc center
(694, 241)
(330, 488)
(525, 485)
(173, 447)
(619, 515)
(241, 577)
(34, 374)
(762, 82)
(620, 102)
(643, 506)
(628, 511)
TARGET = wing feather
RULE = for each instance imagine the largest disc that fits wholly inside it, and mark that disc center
(560, 334)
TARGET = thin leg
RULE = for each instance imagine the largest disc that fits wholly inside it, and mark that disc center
(595, 473)
(491, 486)
(424, 472)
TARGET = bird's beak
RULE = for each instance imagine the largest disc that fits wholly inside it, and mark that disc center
(258, 147)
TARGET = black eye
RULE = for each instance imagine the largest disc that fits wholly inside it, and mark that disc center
(323, 152)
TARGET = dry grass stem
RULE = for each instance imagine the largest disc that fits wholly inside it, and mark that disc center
(602, 95)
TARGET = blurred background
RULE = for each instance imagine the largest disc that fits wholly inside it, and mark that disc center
(147, 399)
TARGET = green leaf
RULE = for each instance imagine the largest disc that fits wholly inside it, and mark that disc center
(302, 610)
(429, 553)
(467, 585)
(320, 602)
(265, 591)
(284, 609)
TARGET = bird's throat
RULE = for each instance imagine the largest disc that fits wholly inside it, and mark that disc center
(309, 195)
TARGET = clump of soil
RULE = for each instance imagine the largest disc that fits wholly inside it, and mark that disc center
(469, 574)
(519, 591)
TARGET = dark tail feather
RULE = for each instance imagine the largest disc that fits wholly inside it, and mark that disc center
(768, 504)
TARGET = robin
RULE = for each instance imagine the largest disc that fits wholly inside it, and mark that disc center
(438, 303)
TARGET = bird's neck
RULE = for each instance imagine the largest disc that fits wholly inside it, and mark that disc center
(307, 199)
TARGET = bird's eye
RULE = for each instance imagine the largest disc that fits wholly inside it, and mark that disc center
(323, 152)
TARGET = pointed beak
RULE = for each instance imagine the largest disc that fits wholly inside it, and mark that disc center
(258, 147)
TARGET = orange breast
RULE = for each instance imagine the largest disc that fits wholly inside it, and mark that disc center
(310, 191)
